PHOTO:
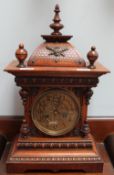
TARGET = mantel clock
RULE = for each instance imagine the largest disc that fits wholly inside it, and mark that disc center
(56, 87)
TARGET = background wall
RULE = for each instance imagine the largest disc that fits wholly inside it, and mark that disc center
(90, 21)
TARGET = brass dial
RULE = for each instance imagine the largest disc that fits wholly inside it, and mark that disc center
(55, 111)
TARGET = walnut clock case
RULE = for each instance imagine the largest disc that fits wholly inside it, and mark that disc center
(56, 87)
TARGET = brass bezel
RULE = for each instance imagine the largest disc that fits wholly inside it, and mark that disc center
(64, 131)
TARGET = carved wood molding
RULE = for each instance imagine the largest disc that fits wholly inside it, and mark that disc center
(60, 145)
(61, 81)
(56, 159)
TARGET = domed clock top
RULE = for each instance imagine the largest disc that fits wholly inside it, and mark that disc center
(56, 50)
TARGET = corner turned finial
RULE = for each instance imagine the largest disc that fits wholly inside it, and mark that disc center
(21, 54)
(56, 26)
(92, 57)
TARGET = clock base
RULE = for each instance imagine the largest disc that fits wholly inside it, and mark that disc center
(60, 154)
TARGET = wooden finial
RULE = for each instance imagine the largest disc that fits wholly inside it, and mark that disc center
(56, 26)
(21, 55)
(92, 57)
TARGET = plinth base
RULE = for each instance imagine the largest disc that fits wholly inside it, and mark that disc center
(74, 154)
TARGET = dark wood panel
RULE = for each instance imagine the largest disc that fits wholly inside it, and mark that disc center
(9, 126)
(100, 127)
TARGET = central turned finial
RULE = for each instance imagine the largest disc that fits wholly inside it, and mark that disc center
(56, 26)
(56, 35)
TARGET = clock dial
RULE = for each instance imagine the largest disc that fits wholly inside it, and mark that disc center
(56, 111)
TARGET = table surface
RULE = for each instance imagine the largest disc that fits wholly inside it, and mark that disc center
(108, 169)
